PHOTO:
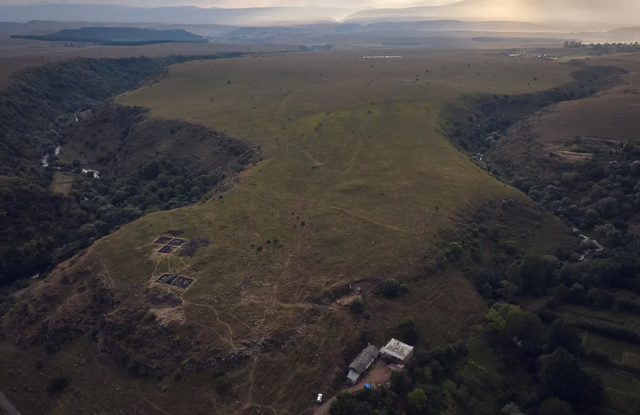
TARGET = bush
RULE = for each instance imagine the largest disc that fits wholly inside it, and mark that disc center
(222, 384)
(408, 332)
(509, 247)
(455, 251)
(599, 357)
(357, 306)
(57, 385)
(391, 288)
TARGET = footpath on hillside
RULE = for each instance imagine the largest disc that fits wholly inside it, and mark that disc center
(8, 406)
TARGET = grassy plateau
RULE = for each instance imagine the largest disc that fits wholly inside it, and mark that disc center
(356, 185)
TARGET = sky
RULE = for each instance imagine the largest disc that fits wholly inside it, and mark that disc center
(351, 4)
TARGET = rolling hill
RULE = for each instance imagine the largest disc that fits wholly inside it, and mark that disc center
(118, 35)
(184, 15)
(357, 186)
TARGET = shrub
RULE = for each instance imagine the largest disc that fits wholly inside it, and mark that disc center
(149, 317)
(455, 250)
(391, 288)
(408, 332)
(222, 384)
(357, 306)
(57, 385)
(598, 356)
(509, 247)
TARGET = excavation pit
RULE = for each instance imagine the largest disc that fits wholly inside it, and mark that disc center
(182, 282)
(175, 242)
(167, 249)
(167, 278)
(163, 240)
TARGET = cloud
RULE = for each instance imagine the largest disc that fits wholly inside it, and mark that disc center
(351, 4)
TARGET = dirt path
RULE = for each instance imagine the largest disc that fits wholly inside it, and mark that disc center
(4, 402)
(379, 374)
(368, 220)
(274, 300)
(185, 302)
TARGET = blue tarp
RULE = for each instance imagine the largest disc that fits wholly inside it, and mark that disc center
(367, 386)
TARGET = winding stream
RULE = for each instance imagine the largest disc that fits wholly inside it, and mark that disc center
(586, 238)
(45, 163)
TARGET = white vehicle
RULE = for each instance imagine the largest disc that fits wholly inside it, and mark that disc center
(319, 398)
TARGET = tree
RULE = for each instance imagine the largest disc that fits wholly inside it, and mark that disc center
(576, 294)
(533, 274)
(417, 400)
(555, 406)
(564, 334)
(57, 385)
(408, 332)
(391, 288)
(560, 294)
(508, 290)
(400, 382)
(496, 323)
(511, 409)
(564, 378)
(222, 383)
(523, 327)
(455, 250)
(357, 306)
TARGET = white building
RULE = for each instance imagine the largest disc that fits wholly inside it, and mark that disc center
(397, 352)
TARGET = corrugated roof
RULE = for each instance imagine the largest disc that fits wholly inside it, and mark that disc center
(353, 376)
(397, 349)
(364, 359)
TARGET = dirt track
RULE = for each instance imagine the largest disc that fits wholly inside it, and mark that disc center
(380, 374)
(4, 402)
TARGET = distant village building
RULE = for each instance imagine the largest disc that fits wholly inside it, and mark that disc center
(397, 352)
(361, 363)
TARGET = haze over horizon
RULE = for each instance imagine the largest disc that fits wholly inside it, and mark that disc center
(353, 4)
(592, 14)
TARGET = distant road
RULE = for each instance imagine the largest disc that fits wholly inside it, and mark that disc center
(11, 410)
(324, 409)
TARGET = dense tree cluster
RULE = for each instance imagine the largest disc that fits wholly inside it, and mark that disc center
(484, 120)
(36, 106)
(40, 229)
(599, 49)
(555, 355)
(45, 229)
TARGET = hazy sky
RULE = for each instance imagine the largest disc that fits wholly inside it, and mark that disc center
(248, 3)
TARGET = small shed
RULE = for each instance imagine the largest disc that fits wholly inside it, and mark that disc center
(361, 363)
(397, 352)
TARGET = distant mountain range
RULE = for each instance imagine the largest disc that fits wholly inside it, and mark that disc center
(454, 25)
(119, 36)
(523, 16)
(184, 15)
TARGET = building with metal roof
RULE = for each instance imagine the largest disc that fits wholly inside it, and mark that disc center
(362, 362)
(397, 352)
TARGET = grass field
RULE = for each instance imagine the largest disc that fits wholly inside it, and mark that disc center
(356, 186)
(17, 54)
(611, 347)
(622, 319)
(62, 183)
